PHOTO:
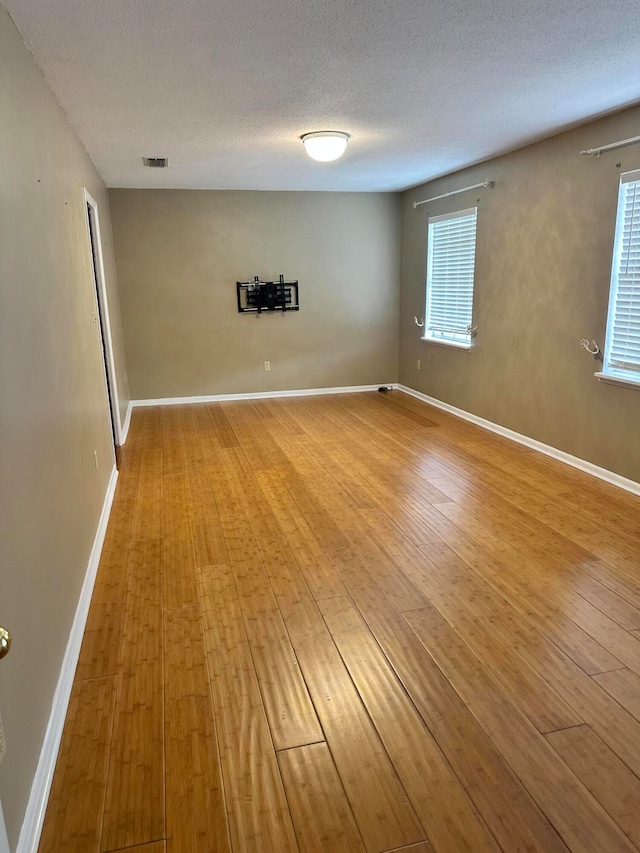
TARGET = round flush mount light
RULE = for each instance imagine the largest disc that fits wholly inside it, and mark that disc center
(325, 145)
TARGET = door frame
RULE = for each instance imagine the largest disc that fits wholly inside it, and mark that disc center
(4, 840)
(102, 306)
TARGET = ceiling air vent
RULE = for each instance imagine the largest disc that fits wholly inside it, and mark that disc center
(156, 162)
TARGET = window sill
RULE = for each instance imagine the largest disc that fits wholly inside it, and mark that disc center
(454, 344)
(610, 379)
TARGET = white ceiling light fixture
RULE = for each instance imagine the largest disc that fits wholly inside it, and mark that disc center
(325, 145)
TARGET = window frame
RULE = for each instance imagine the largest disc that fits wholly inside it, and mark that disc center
(613, 375)
(462, 341)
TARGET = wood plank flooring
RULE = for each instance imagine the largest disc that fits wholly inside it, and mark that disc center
(353, 624)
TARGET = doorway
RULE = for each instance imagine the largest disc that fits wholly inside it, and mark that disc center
(102, 319)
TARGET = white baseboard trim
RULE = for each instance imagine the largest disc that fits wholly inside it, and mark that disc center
(260, 395)
(37, 805)
(127, 422)
(567, 458)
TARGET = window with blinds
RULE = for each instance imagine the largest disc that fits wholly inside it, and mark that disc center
(622, 348)
(451, 254)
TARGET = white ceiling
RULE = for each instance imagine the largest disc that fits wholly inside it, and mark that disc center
(224, 88)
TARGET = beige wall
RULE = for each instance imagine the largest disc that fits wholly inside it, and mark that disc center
(543, 262)
(180, 253)
(53, 407)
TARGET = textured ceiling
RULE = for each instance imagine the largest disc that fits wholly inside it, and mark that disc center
(224, 88)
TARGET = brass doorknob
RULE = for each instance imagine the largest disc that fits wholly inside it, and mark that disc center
(5, 642)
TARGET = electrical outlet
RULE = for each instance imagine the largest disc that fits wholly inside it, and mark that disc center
(267, 365)
(3, 743)
(418, 364)
(95, 459)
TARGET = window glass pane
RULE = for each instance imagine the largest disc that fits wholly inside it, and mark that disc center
(622, 350)
(451, 249)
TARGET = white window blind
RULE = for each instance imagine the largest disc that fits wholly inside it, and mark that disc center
(622, 349)
(451, 254)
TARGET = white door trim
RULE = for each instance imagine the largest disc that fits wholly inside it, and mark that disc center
(103, 311)
(4, 841)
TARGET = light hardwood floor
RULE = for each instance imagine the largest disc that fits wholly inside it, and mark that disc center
(353, 623)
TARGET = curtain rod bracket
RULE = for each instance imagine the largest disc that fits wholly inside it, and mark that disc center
(596, 352)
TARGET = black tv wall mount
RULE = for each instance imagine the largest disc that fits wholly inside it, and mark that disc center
(258, 297)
